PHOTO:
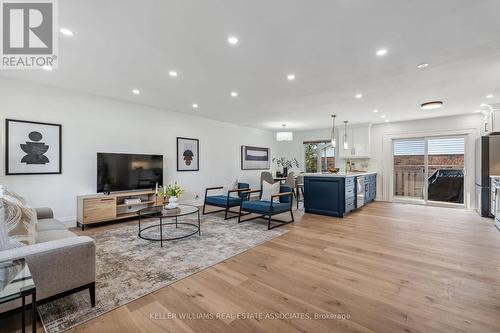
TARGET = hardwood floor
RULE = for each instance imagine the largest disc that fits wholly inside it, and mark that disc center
(386, 268)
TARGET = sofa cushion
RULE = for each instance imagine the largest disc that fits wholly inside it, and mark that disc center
(50, 235)
(221, 201)
(50, 224)
(264, 207)
(20, 220)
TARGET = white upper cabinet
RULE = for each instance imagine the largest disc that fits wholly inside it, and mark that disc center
(491, 123)
(358, 139)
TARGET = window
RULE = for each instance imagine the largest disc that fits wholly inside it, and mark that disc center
(319, 156)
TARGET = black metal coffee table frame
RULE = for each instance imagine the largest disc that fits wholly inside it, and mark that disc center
(158, 213)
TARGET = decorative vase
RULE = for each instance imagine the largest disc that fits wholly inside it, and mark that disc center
(172, 202)
(285, 172)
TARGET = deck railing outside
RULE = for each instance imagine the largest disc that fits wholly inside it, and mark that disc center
(409, 179)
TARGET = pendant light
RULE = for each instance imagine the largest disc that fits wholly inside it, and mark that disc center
(346, 143)
(333, 140)
(284, 136)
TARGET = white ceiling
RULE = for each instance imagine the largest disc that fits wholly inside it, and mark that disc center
(329, 45)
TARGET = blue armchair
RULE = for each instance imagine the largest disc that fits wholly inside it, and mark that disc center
(226, 201)
(267, 209)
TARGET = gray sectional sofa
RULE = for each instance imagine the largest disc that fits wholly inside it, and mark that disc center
(60, 261)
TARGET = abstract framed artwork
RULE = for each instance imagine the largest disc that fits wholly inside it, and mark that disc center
(188, 154)
(255, 158)
(32, 148)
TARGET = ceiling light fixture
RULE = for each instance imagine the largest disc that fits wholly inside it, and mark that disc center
(346, 142)
(234, 94)
(381, 52)
(477, 111)
(291, 77)
(358, 96)
(432, 105)
(490, 96)
(66, 32)
(423, 65)
(333, 139)
(483, 105)
(233, 40)
(387, 120)
(136, 91)
(284, 136)
(383, 116)
(172, 73)
(47, 68)
(375, 111)
(195, 106)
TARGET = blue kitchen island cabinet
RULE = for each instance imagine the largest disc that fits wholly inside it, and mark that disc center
(336, 195)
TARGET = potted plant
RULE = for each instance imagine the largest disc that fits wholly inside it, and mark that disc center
(173, 192)
(286, 164)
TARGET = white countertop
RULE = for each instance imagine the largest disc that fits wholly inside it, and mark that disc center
(340, 175)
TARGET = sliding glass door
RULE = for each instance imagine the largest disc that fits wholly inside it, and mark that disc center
(429, 169)
(409, 169)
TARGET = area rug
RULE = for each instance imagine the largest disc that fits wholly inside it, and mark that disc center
(128, 267)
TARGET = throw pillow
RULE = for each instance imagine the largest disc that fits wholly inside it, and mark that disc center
(4, 235)
(268, 190)
(20, 220)
(233, 185)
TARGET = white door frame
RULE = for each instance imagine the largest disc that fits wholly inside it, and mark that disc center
(388, 155)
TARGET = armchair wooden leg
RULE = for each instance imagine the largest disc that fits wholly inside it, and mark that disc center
(92, 294)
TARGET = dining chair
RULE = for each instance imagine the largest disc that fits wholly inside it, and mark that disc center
(267, 177)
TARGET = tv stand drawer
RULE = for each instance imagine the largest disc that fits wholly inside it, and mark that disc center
(99, 209)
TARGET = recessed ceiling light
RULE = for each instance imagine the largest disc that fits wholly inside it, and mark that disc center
(172, 73)
(387, 120)
(47, 68)
(358, 96)
(423, 65)
(195, 106)
(66, 32)
(483, 105)
(432, 105)
(233, 40)
(136, 91)
(382, 52)
(383, 116)
(375, 110)
(490, 96)
(234, 94)
(477, 111)
(291, 77)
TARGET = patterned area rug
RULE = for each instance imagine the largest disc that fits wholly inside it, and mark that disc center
(128, 267)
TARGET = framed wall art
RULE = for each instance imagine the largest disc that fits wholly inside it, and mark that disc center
(255, 158)
(188, 154)
(32, 148)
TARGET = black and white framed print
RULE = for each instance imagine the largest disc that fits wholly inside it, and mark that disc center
(32, 148)
(188, 155)
(255, 158)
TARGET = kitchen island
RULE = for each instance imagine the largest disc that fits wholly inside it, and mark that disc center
(338, 194)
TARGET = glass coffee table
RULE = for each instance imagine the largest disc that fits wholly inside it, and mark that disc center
(187, 229)
(16, 282)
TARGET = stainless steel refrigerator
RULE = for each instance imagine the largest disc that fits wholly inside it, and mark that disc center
(487, 164)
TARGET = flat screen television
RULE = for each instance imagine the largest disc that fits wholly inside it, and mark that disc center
(126, 172)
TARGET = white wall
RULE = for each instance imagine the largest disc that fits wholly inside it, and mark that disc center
(92, 124)
(381, 147)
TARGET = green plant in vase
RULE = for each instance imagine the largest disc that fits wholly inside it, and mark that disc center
(173, 192)
(286, 164)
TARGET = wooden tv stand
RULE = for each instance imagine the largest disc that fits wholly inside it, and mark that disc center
(97, 208)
